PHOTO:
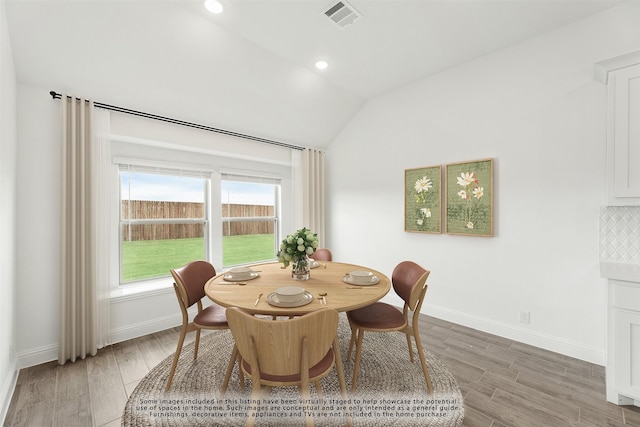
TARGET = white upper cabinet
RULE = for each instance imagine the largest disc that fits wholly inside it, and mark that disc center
(622, 76)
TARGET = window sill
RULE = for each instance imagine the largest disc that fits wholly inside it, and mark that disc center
(144, 289)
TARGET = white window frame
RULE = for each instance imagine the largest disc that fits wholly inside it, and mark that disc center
(251, 177)
(142, 166)
(173, 156)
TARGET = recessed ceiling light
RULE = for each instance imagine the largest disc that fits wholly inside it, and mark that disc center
(321, 65)
(213, 6)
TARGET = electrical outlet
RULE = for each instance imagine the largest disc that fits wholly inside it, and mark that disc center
(525, 317)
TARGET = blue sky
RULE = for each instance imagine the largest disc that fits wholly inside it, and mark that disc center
(186, 189)
(247, 193)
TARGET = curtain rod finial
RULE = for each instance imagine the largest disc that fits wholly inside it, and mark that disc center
(53, 94)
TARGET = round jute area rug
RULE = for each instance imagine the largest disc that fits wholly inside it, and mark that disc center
(391, 390)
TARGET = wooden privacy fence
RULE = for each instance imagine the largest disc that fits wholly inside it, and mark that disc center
(154, 210)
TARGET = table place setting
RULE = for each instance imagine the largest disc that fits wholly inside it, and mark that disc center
(289, 296)
(360, 278)
(315, 264)
(257, 300)
(241, 274)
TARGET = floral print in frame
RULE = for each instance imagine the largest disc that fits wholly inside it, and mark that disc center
(469, 208)
(422, 199)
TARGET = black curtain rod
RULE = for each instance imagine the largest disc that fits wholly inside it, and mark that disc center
(55, 95)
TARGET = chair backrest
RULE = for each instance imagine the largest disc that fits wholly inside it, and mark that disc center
(190, 280)
(410, 282)
(275, 347)
(322, 254)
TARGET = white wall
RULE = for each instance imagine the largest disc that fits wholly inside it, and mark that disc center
(38, 219)
(8, 148)
(536, 109)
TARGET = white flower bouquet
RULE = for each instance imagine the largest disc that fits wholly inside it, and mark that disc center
(297, 246)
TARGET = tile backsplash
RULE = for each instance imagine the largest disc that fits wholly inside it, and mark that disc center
(620, 234)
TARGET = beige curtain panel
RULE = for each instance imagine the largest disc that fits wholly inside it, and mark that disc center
(313, 191)
(308, 190)
(78, 304)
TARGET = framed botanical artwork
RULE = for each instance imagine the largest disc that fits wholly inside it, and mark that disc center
(422, 199)
(469, 208)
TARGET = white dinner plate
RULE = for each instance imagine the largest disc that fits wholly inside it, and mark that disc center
(314, 264)
(272, 299)
(348, 279)
(236, 278)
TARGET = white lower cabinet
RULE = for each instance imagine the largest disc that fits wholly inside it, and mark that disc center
(623, 360)
(628, 355)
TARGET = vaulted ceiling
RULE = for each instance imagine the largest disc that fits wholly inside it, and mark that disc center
(251, 68)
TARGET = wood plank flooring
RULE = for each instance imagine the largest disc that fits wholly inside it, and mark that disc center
(504, 383)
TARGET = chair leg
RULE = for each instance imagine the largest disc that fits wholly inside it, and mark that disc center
(227, 375)
(256, 395)
(341, 380)
(308, 420)
(408, 335)
(183, 333)
(423, 362)
(305, 391)
(197, 344)
(356, 364)
(241, 381)
(352, 341)
(339, 367)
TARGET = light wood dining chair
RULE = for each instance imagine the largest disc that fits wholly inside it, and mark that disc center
(287, 352)
(410, 283)
(189, 281)
(322, 254)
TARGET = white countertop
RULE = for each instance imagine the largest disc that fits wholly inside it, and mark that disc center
(620, 271)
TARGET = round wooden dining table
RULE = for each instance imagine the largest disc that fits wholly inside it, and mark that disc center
(329, 278)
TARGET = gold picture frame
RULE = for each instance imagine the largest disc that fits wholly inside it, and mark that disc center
(469, 198)
(423, 199)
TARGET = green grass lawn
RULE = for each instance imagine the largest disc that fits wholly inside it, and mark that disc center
(153, 258)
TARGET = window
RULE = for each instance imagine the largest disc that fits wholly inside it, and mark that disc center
(163, 220)
(249, 219)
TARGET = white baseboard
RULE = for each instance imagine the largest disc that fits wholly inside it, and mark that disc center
(547, 342)
(37, 356)
(50, 352)
(144, 328)
(6, 393)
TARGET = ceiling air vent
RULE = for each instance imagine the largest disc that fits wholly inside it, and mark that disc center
(342, 13)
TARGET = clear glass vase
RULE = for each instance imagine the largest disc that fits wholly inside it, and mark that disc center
(300, 268)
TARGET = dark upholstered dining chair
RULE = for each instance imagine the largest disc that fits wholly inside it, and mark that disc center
(410, 283)
(189, 286)
(322, 254)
